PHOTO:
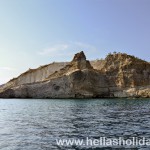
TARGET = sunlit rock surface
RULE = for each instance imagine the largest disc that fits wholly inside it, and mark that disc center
(119, 75)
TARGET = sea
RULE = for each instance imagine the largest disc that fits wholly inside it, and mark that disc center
(74, 124)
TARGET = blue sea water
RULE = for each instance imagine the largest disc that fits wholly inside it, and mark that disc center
(35, 124)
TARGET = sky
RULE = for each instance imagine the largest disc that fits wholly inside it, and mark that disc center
(38, 32)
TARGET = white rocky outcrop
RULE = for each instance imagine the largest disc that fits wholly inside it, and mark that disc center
(119, 75)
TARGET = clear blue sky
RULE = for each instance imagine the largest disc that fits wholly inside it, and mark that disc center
(37, 32)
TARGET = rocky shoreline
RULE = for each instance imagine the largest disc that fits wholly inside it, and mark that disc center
(118, 76)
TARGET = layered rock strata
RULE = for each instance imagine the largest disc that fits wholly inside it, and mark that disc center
(119, 75)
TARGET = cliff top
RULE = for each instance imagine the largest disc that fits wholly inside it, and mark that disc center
(123, 56)
(79, 62)
(111, 62)
(122, 61)
(79, 56)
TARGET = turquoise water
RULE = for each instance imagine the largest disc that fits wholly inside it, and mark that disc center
(30, 124)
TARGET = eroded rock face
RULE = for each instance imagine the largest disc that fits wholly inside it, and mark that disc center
(127, 71)
(34, 75)
(79, 61)
(119, 75)
(78, 84)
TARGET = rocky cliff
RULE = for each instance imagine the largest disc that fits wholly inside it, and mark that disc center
(34, 75)
(119, 75)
